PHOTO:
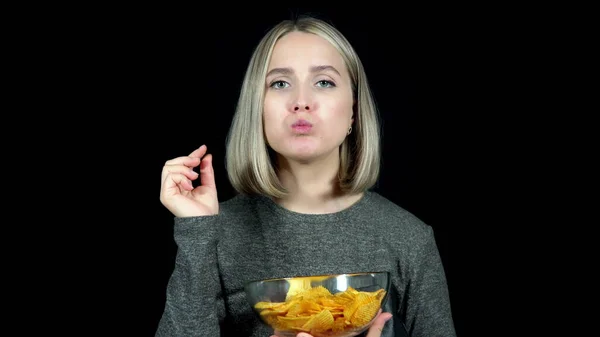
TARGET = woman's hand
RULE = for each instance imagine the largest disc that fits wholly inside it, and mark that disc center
(374, 331)
(178, 194)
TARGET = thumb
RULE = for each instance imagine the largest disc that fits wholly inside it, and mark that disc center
(377, 327)
(207, 174)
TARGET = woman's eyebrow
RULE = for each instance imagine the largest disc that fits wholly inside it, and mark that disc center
(314, 69)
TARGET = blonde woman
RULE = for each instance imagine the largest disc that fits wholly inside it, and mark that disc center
(303, 152)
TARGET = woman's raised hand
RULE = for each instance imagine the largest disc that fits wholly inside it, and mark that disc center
(178, 194)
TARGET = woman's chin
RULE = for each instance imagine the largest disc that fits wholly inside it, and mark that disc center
(304, 151)
(305, 155)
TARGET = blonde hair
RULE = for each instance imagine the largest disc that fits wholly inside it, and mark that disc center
(250, 167)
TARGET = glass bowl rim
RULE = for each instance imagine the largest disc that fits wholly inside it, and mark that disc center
(287, 278)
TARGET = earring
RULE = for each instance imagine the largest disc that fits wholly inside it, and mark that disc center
(350, 129)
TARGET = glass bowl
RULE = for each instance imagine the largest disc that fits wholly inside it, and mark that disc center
(339, 305)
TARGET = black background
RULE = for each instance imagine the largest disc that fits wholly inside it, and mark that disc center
(156, 83)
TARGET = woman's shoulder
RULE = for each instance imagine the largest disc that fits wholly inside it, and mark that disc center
(237, 201)
(394, 215)
(240, 205)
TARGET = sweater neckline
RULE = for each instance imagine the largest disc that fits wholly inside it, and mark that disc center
(347, 212)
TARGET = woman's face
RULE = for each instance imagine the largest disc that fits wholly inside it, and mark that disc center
(308, 99)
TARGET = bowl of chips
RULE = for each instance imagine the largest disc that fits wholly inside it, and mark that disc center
(339, 305)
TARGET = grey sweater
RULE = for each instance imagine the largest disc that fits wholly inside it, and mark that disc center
(254, 238)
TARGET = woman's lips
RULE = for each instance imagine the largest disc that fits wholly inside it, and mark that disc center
(302, 126)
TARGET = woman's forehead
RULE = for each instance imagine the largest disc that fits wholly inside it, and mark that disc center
(298, 51)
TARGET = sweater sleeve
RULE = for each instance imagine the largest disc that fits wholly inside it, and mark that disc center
(193, 288)
(428, 311)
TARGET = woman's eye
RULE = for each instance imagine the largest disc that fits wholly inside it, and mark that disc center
(326, 84)
(279, 85)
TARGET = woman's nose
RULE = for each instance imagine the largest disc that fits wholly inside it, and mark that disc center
(303, 101)
(299, 106)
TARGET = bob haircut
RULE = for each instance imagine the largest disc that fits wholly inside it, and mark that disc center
(250, 163)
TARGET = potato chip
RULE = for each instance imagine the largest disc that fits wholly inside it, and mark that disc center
(301, 284)
(320, 322)
(317, 311)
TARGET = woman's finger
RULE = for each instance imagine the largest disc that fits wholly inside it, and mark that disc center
(192, 160)
(175, 180)
(184, 160)
(377, 327)
(199, 152)
(180, 169)
(207, 173)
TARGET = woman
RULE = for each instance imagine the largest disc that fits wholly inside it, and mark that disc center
(303, 153)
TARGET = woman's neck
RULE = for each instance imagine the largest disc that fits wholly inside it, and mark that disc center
(313, 187)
